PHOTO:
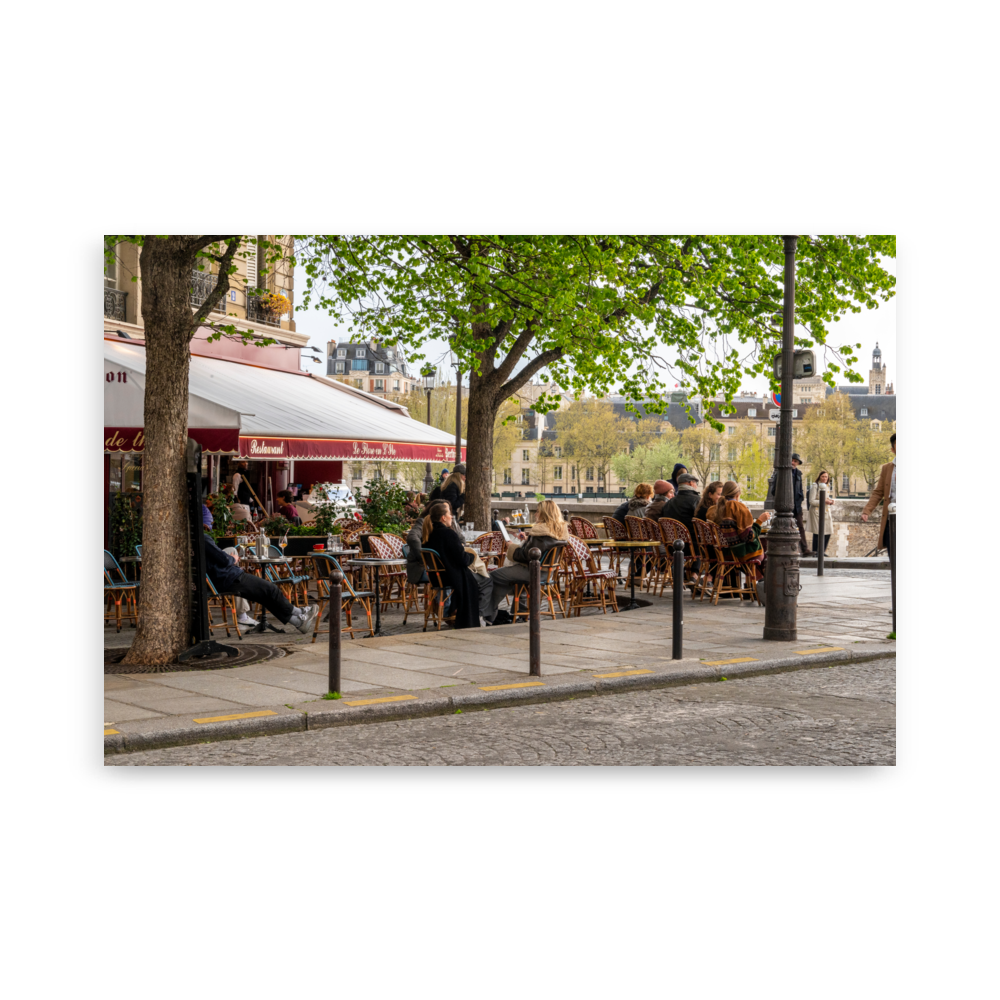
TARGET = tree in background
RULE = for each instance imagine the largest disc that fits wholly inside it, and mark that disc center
(647, 463)
(745, 461)
(870, 450)
(702, 447)
(826, 437)
(591, 435)
(589, 312)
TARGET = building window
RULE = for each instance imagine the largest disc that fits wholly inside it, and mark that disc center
(359, 366)
(339, 366)
(525, 477)
(589, 489)
(864, 411)
(359, 382)
(732, 454)
(730, 430)
(590, 473)
(558, 451)
(379, 385)
(506, 477)
(395, 385)
(557, 489)
(525, 456)
(772, 431)
(557, 472)
(751, 412)
(341, 352)
(846, 484)
(713, 452)
(805, 400)
(359, 352)
(356, 471)
(393, 471)
(379, 367)
(878, 389)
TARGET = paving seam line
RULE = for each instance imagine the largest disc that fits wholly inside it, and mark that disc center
(298, 721)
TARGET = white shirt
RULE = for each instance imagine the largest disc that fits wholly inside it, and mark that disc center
(892, 489)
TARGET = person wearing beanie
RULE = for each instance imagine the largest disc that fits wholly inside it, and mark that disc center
(678, 469)
(662, 492)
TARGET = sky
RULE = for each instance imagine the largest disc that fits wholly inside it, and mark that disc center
(866, 328)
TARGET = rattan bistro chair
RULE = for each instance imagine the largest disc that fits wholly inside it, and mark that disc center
(551, 565)
(325, 565)
(392, 580)
(581, 572)
(707, 558)
(672, 530)
(616, 532)
(434, 605)
(224, 603)
(117, 588)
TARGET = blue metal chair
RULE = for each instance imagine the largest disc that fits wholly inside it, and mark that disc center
(439, 589)
(118, 588)
(283, 577)
(348, 596)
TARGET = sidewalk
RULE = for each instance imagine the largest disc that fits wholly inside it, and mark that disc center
(417, 673)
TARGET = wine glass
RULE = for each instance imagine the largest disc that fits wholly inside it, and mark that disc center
(283, 542)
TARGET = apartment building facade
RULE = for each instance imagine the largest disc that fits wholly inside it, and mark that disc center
(365, 364)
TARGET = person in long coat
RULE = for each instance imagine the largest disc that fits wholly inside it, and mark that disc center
(439, 535)
(885, 494)
(740, 532)
(812, 512)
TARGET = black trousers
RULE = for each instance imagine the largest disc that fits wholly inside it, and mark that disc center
(259, 591)
(826, 542)
(802, 534)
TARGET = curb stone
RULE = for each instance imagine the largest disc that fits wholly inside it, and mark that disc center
(332, 713)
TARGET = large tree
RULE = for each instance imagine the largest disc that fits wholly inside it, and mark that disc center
(590, 312)
(166, 266)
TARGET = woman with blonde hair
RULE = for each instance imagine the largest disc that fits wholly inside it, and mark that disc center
(740, 532)
(547, 529)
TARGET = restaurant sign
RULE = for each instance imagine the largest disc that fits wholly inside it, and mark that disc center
(213, 440)
(266, 448)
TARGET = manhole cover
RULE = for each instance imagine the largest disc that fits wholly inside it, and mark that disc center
(246, 653)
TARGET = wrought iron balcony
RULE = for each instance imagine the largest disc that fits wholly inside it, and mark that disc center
(259, 313)
(114, 304)
(202, 284)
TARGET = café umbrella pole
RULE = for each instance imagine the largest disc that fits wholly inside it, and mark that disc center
(336, 579)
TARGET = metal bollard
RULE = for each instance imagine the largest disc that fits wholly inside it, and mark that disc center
(336, 578)
(821, 494)
(677, 571)
(891, 529)
(534, 612)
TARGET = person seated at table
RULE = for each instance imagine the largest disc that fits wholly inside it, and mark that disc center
(227, 577)
(636, 504)
(740, 532)
(709, 498)
(683, 505)
(412, 506)
(548, 528)
(470, 594)
(286, 508)
(662, 492)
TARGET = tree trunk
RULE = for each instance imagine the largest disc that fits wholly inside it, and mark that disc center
(482, 413)
(164, 597)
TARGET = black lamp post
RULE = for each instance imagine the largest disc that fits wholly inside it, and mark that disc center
(781, 581)
(428, 376)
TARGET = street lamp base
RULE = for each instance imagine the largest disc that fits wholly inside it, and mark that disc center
(781, 634)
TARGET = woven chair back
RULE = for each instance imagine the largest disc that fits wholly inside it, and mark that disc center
(615, 529)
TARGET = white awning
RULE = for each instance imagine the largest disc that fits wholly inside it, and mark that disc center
(287, 415)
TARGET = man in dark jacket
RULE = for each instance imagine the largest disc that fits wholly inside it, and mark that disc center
(799, 498)
(682, 507)
(228, 578)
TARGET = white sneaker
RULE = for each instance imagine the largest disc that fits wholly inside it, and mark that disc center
(303, 618)
(245, 619)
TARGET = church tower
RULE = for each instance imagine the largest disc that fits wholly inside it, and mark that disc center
(876, 376)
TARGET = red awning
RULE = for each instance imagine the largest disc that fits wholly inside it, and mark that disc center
(213, 440)
(270, 448)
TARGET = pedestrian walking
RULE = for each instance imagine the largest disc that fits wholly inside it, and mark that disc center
(885, 494)
(799, 499)
(812, 511)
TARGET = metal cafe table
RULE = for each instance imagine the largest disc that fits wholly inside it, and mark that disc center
(256, 563)
(630, 544)
(376, 563)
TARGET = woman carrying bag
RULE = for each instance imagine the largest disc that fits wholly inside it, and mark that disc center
(812, 511)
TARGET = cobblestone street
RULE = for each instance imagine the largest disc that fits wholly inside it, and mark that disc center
(839, 715)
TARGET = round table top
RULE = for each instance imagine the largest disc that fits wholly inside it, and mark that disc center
(376, 562)
(328, 552)
(630, 543)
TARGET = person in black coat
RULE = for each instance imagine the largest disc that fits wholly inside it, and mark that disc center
(684, 504)
(439, 535)
(678, 469)
(453, 489)
(799, 499)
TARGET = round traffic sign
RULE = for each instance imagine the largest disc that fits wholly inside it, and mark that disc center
(776, 398)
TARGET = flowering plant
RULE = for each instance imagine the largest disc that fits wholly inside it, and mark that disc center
(275, 303)
(383, 506)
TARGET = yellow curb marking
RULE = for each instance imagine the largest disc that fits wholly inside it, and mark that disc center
(504, 687)
(379, 701)
(111, 732)
(719, 663)
(822, 649)
(625, 673)
(242, 715)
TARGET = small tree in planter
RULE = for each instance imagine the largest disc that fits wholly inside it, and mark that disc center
(383, 507)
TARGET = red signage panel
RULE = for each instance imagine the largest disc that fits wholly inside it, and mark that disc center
(270, 448)
(213, 440)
